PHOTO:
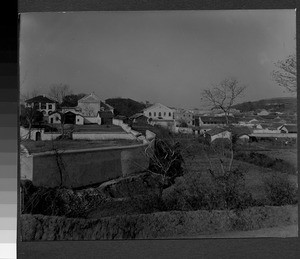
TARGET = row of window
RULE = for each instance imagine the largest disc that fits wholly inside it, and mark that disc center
(159, 114)
(43, 106)
(213, 122)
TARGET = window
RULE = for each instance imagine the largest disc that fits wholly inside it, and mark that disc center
(164, 113)
(150, 114)
(169, 114)
(154, 113)
(56, 118)
(36, 105)
(43, 106)
(77, 119)
(159, 114)
(50, 106)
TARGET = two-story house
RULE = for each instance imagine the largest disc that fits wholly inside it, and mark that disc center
(42, 103)
(160, 114)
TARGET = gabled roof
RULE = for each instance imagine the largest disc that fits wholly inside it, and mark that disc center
(91, 98)
(217, 119)
(291, 128)
(216, 131)
(106, 106)
(157, 105)
(40, 99)
(239, 131)
(137, 115)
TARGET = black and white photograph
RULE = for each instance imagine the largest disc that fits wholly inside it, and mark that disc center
(158, 125)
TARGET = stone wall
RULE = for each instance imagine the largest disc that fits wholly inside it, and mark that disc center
(84, 167)
(171, 224)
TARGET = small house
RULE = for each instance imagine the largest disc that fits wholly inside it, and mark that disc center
(218, 133)
(288, 128)
(106, 117)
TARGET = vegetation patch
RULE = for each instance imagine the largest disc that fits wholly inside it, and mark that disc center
(266, 161)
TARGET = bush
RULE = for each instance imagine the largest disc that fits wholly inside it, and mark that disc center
(221, 144)
(280, 190)
(57, 201)
(266, 161)
(195, 192)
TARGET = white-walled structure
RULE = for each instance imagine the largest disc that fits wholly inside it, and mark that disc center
(42, 103)
(159, 111)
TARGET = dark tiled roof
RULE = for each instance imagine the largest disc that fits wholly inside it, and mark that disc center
(120, 117)
(137, 115)
(106, 106)
(239, 131)
(216, 119)
(215, 131)
(40, 99)
(292, 128)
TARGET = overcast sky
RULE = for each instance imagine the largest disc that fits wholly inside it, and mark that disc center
(159, 56)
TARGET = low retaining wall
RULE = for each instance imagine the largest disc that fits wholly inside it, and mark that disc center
(85, 166)
(157, 225)
(102, 135)
(274, 135)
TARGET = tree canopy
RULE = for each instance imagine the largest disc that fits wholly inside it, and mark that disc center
(286, 73)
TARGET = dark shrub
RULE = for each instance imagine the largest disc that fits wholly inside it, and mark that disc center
(280, 190)
(194, 192)
(266, 161)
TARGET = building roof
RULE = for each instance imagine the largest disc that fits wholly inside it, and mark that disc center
(216, 131)
(291, 128)
(120, 117)
(40, 99)
(239, 131)
(90, 98)
(137, 115)
(218, 119)
(106, 106)
(158, 104)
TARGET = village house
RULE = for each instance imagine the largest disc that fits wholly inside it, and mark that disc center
(160, 115)
(182, 117)
(90, 110)
(139, 118)
(263, 112)
(43, 104)
(288, 128)
(217, 133)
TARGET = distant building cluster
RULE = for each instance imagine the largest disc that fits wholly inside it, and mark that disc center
(92, 110)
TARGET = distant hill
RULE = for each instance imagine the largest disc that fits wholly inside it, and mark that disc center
(280, 104)
(125, 106)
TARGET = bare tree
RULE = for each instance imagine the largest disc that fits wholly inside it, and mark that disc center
(286, 73)
(25, 96)
(29, 116)
(223, 95)
(88, 110)
(59, 91)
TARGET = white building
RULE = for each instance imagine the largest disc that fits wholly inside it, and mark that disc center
(42, 103)
(159, 111)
